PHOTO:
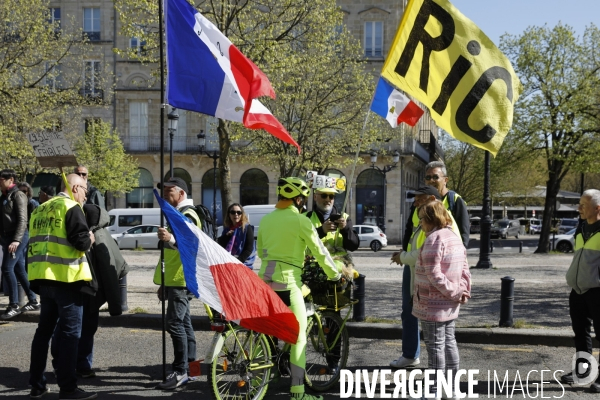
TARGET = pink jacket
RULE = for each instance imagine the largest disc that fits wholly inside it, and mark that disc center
(441, 277)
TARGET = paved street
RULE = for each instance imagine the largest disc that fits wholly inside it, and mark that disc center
(129, 365)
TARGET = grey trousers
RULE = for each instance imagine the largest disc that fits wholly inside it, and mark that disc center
(442, 350)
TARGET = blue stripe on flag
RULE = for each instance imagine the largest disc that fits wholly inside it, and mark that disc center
(194, 78)
(187, 242)
(379, 105)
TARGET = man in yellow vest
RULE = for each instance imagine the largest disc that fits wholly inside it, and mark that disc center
(321, 218)
(60, 273)
(584, 280)
(179, 321)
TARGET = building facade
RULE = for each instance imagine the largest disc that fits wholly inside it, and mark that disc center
(378, 190)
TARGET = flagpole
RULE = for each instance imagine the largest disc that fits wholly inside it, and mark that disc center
(162, 175)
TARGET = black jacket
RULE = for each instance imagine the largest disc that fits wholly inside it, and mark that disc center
(13, 218)
(350, 240)
(95, 197)
(248, 243)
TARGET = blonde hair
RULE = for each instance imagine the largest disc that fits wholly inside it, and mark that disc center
(245, 220)
(435, 214)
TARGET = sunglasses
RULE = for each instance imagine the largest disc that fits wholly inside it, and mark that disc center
(433, 177)
(327, 196)
(233, 212)
(82, 174)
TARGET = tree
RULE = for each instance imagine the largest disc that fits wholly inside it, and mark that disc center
(40, 79)
(554, 116)
(101, 151)
(285, 38)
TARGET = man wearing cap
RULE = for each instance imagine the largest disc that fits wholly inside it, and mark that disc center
(320, 216)
(179, 322)
(46, 193)
(410, 324)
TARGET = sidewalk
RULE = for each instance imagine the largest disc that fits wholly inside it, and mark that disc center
(540, 304)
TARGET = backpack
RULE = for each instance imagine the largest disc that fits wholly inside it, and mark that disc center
(206, 219)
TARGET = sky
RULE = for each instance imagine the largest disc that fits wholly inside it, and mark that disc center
(496, 17)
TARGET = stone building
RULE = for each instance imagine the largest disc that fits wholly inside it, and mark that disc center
(134, 110)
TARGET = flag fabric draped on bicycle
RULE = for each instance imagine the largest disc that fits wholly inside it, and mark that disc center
(445, 61)
(225, 284)
(206, 73)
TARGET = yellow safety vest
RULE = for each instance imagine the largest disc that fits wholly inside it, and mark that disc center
(50, 255)
(173, 266)
(329, 239)
(421, 238)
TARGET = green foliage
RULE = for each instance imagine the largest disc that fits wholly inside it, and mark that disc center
(40, 79)
(556, 116)
(110, 168)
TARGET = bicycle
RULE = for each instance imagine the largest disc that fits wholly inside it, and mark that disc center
(242, 363)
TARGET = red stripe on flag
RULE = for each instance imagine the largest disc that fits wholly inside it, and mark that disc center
(245, 297)
(411, 114)
(269, 123)
(251, 81)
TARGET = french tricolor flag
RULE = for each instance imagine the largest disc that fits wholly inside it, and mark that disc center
(206, 73)
(394, 106)
(228, 286)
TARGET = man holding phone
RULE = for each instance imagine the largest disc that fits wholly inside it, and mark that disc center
(327, 220)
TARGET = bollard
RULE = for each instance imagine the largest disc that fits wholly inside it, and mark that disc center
(507, 297)
(358, 293)
(22, 296)
(520, 246)
(123, 290)
(491, 246)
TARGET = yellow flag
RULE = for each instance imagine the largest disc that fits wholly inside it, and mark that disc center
(445, 61)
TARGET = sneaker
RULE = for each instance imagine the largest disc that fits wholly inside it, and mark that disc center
(403, 362)
(38, 393)
(78, 394)
(86, 373)
(304, 396)
(11, 311)
(567, 378)
(174, 380)
(31, 306)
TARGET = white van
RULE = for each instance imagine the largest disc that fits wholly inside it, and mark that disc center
(255, 214)
(122, 219)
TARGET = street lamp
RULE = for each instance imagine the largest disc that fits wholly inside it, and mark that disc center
(384, 171)
(173, 117)
(201, 144)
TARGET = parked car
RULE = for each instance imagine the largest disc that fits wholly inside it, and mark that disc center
(504, 228)
(535, 226)
(475, 225)
(122, 219)
(144, 236)
(371, 236)
(566, 224)
(565, 242)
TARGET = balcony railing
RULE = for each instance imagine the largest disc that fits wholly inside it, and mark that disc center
(92, 95)
(151, 143)
(92, 36)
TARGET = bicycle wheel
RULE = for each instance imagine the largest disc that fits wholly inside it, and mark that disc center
(243, 366)
(322, 366)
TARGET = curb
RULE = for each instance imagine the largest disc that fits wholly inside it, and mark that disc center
(493, 336)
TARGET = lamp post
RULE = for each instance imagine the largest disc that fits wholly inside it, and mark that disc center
(173, 117)
(201, 144)
(384, 171)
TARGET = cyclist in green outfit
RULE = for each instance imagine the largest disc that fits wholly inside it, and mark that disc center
(283, 238)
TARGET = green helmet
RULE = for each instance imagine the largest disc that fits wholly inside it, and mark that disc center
(292, 187)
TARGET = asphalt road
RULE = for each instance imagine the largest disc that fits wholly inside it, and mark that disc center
(129, 364)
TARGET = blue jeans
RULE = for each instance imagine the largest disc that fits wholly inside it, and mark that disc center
(89, 326)
(179, 325)
(63, 307)
(14, 269)
(411, 347)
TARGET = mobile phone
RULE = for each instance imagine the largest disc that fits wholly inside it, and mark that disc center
(334, 217)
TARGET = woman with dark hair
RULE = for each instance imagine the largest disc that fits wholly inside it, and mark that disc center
(238, 235)
(32, 204)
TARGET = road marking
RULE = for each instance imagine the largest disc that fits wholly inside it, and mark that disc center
(508, 349)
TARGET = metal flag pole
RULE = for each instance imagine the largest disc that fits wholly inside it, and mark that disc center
(162, 176)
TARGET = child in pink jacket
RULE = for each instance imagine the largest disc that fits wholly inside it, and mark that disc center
(442, 284)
